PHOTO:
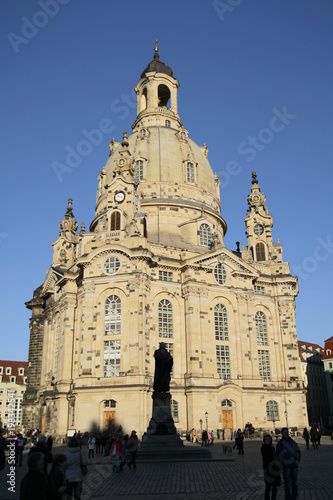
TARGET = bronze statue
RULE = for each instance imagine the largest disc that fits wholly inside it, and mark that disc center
(163, 367)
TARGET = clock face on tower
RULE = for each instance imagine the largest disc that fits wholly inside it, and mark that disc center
(119, 196)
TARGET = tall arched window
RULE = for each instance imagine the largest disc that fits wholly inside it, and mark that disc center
(221, 322)
(163, 95)
(115, 221)
(261, 328)
(189, 172)
(272, 410)
(205, 234)
(165, 323)
(260, 251)
(139, 170)
(112, 319)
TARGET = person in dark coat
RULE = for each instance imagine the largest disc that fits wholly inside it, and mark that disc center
(314, 438)
(239, 440)
(289, 455)
(56, 480)
(33, 485)
(41, 447)
(306, 437)
(132, 448)
(271, 467)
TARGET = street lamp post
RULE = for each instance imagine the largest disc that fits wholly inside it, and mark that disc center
(200, 426)
(286, 415)
(206, 415)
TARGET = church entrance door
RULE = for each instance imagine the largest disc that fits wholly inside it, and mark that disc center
(43, 426)
(109, 421)
(227, 419)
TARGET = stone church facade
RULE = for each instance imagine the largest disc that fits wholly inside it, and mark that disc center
(153, 267)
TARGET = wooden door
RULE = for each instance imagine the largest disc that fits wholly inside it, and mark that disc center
(109, 421)
(43, 424)
(227, 419)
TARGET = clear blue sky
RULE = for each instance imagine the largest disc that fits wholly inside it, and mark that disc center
(70, 64)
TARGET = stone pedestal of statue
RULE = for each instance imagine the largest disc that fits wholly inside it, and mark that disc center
(161, 431)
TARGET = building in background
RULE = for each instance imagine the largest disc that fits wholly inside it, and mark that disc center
(153, 267)
(328, 368)
(13, 380)
(314, 380)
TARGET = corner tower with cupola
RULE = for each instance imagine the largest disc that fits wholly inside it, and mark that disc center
(153, 267)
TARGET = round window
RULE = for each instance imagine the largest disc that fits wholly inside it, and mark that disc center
(111, 265)
(258, 229)
(220, 274)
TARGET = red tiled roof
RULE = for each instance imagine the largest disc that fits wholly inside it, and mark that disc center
(308, 347)
(328, 345)
(15, 366)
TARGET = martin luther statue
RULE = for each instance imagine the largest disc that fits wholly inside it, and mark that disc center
(163, 366)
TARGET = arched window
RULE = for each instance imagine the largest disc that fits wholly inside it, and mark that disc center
(167, 123)
(260, 252)
(174, 410)
(205, 234)
(330, 365)
(163, 95)
(226, 403)
(261, 328)
(115, 221)
(272, 410)
(110, 403)
(189, 172)
(221, 322)
(165, 326)
(139, 170)
(112, 319)
(143, 104)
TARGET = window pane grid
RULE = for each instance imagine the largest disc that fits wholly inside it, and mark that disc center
(223, 361)
(272, 410)
(139, 170)
(111, 358)
(221, 322)
(189, 172)
(165, 320)
(112, 320)
(264, 365)
(205, 234)
(261, 328)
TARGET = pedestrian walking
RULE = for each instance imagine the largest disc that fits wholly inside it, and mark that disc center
(289, 456)
(306, 437)
(314, 437)
(41, 447)
(318, 436)
(271, 468)
(239, 441)
(76, 462)
(211, 437)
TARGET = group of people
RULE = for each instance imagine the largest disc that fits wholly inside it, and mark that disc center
(207, 437)
(285, 457)
(314, 436)
(65, 478)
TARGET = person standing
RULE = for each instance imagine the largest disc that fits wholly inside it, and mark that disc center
(132, 448)
(239, 440)
(318, 436)
(306, 437)
(313, 437)
(212, 437)
(271, 467)
(289, 456)
(116, 452)
(74, 475)
(19, 449)
(91, 446)
(56, 480)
